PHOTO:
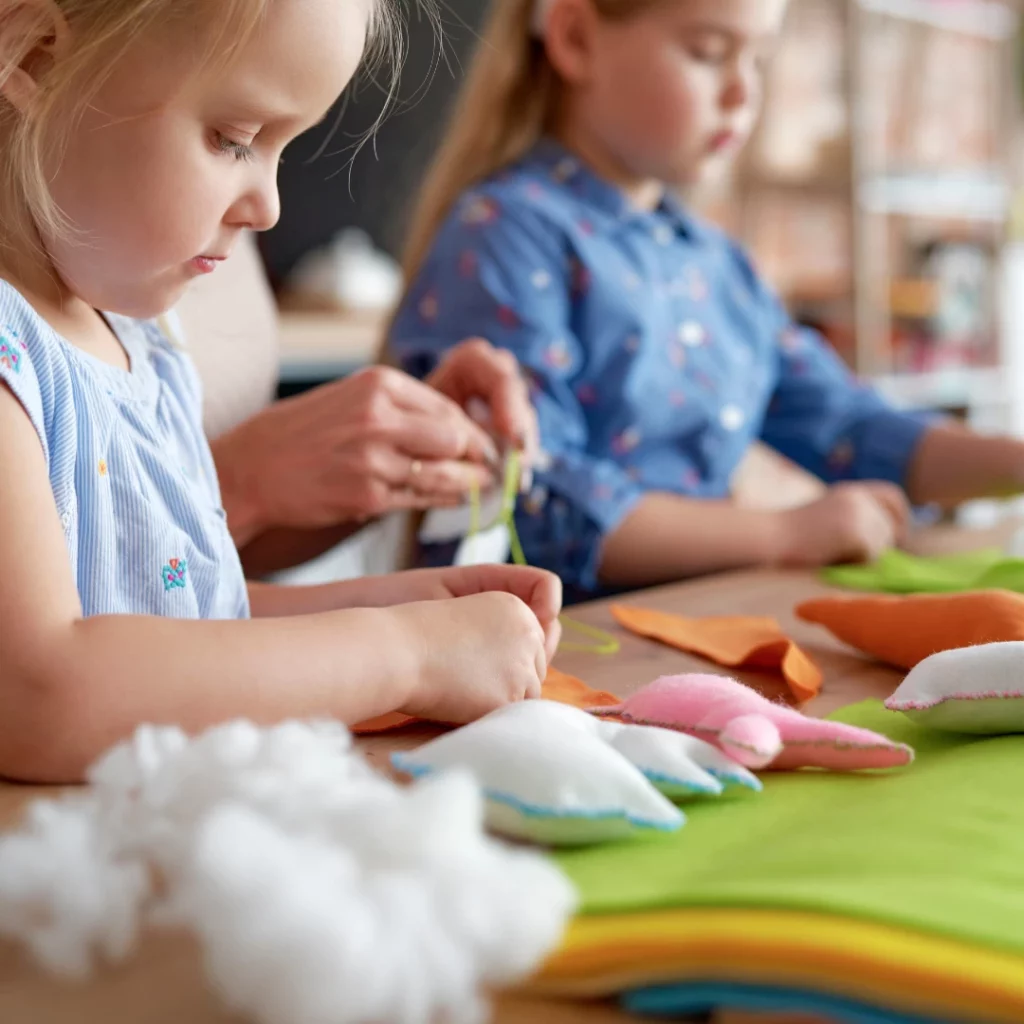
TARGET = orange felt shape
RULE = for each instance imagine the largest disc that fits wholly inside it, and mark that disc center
(903, 631)
(737, 641)
(558, 686)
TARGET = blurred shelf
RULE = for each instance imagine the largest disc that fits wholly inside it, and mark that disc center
(321, 346)
(983, 19)
(955, 388)
(983, 195)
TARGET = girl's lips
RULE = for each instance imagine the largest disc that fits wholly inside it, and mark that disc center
(722, 140)
(206, 264)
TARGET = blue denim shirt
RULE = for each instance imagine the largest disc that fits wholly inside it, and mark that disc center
(655, 353)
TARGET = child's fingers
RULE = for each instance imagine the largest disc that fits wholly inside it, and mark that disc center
(552, 638)
(895, 503)
(540, 591)
(534, 690)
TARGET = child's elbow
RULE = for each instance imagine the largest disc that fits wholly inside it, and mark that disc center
(40, 731)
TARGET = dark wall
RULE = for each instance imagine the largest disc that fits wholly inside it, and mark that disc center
(377, 190)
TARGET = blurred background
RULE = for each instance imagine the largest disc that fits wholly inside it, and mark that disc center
(882, 196)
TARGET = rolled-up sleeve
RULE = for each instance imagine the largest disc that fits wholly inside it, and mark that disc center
(819, 414)
(833, 426)
(504, 274)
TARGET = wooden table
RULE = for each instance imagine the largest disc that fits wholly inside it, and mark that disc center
(163, 984)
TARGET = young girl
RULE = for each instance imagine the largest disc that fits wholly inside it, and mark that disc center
(656, 354)
(139, 138)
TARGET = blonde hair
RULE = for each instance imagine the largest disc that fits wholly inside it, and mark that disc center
(102, 31)
(508, 102)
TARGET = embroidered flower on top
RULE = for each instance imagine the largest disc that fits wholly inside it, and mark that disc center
(174, 574)
(102, 467)
(11, 350)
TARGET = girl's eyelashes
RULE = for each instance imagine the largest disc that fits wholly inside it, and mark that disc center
(710, 47)
(239, 150)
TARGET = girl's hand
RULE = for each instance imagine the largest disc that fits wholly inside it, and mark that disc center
(473, 654)
(540, 591)
(853, 522)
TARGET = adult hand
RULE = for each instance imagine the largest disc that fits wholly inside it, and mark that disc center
(476, 370)
(349, 451)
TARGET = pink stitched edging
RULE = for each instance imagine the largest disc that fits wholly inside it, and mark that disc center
(916, 705)
(787, 744)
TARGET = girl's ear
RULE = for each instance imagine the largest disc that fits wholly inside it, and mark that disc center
(33, 36)
(569, 32)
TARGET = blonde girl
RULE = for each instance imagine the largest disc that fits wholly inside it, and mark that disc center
(139, 138)
(551, 225)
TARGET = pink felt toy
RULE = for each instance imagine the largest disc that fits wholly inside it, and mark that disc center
(754, 731)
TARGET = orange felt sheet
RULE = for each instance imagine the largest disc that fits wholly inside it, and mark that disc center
(903, 631)
(736, 641)
(558, 686)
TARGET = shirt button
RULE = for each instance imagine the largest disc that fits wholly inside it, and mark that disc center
(65, 519)
(692, 334)
(663, 234)
(732, 417)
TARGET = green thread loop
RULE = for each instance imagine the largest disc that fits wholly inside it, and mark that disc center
(606, 643)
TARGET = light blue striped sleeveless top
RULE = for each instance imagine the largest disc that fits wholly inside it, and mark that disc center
(131, 471)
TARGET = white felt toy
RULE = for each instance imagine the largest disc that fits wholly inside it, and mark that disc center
(319, 891)
(970, 690)
(488, 544)
(554, 774)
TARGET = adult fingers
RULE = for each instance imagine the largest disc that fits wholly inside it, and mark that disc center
(447, 437)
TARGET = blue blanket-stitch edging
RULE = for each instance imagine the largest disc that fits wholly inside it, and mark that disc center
(403, 764)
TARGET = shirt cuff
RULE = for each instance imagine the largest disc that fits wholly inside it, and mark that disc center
(889, 444)
(610, 519)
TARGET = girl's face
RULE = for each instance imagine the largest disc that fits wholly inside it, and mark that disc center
(170, 163)
(672, 92)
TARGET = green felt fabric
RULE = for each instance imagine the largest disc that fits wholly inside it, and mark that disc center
(900, 573)
(937, 847)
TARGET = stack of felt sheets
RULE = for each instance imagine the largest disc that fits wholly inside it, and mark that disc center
(884, 897)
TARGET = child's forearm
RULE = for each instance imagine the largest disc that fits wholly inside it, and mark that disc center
(90, 685)
(270, 601)
(954, 464)
(667, 537)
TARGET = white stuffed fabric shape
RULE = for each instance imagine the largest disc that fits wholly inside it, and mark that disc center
(970, 690)
(556, 775)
